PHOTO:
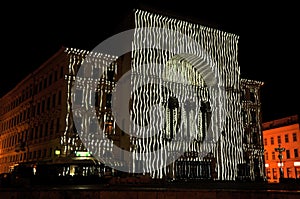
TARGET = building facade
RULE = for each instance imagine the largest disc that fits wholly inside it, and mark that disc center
(208, 125)
(253, 148)
(282, 134)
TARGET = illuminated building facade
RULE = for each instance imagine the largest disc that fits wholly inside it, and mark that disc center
(253, 148)
(53, 107)
(282, 133)
(35, 121)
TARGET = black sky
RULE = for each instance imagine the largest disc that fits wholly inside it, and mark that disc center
(268, 38)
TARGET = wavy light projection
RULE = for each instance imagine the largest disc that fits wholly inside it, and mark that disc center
(222, 47)
(83, 94)
(178, 111)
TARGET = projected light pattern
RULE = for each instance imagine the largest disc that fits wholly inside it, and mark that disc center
(92, 95)
(185, 106)
(222, 48)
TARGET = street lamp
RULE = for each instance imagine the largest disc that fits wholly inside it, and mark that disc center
(280, 156)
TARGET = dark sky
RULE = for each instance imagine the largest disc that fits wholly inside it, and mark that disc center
(268, 44)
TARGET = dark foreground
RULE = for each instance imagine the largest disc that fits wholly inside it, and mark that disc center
(180, 190)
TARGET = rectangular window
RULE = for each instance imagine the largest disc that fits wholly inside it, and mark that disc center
(57, 126)
(288, 155)
(266, 156)
(268, 173)
(51, 127)
(55, 75)
(294, 137)
(40, 86)
(45, 83)
(36, 132)
(53, 100)
(50, 79)
(253, 117)
(46, 129)
(252, 96)
(48, 103)
(39, 155)
(279, 139)
(286, 138)
(43, 106)
(61, 72)
(59, 98)
(272, 141)
(45, 153)
(289, 172)
(41, 131)
(38, 110)
(297, 172)
(50, 152)
(296, 154)
(273, 155)
(274, 170)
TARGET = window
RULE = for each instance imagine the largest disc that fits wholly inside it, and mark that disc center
(40, 86)
(51, 127)
(288, 155)
(53, 100)
(43, 106)
(274, 173)
(288, 171)
(45, 153)
(57, 125)
(254, 138)
(45, 83)
(39, 155)
(286, 138)
(272, 141)
(48, 103)
(46, 129)
(296, 154)
(279, 139)
(294, 137)
(61, 72)
(55, 75)
(108, 100)
(253, 116)
(38, 108)
(273, 155)
(50, 79)
(59, 98)
(268, 173)
(41, 131)
(266, 156)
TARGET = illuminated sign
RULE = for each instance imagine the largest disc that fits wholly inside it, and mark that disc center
(82, 154)
(296, 164)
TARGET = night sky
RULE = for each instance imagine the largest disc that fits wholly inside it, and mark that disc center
(268, 38)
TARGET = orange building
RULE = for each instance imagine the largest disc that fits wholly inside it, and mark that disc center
(282, 135)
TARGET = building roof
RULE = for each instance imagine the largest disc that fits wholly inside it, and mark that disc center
(281, 122)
